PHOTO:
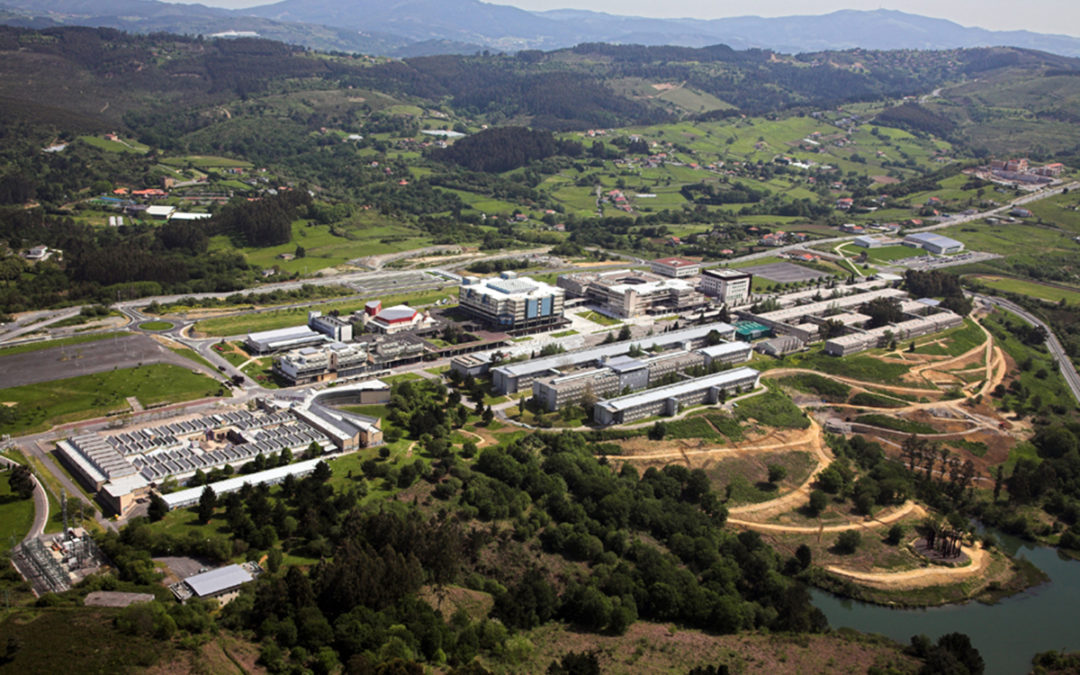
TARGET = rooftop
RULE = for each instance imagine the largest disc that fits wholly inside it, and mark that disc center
(219, 580)
(677, 389)
(933, 238)
(614, 349)
(676, 262)
(191, 495)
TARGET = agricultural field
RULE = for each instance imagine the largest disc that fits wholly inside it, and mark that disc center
(1033, 289)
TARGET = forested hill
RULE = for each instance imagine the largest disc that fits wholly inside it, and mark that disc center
(91, 77)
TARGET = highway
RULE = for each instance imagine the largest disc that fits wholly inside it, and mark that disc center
(1068, 371)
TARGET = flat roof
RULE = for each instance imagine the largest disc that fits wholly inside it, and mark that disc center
(933, 238)
(675, 262)
(677, 389)
(726, 273)
(282, 334)
(191, 495)
(614, 349)
(219, 580)
(724, 348)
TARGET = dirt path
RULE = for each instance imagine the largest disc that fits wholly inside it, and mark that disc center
(861, 384)
(908, 508)
(918, 578)
(799, 495)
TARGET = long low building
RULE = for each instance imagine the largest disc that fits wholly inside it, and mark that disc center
(669, 399)
(514, 377)
(281, 339)
(190, 497)
(904, 330)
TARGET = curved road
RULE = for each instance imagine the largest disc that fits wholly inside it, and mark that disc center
(1065, 365)
(41, 504)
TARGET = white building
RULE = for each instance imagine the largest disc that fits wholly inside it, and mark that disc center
(676, 268)
(669, 399)
(732, 287)
(512, 303)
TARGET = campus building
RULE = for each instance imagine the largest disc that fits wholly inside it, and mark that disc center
(222, 584)
(904, 330)
(675, 268)
(731, 287)
(617, 374)
(669, 399)
(332, 327)
(631, 293)
(320, 364)
(514, 377)
(511, 303)
(294, 337)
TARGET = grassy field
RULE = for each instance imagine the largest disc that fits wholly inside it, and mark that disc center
(207, 162)
(132, 147)
(772, 409)
(49, 344)
(953, 342)
(42, 405)
(861, 368)
(1030, 288)
(155, 325)
(896, 423)
(250, 323)
(16, 514)
(596, 317)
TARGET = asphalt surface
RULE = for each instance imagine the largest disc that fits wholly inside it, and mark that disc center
(1068, 371)
(87, 358)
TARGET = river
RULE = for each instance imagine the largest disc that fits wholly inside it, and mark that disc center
(1007, 634)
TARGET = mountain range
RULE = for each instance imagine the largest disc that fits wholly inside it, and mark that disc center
(422, 27)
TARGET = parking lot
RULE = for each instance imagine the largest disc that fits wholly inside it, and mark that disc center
(785, 273)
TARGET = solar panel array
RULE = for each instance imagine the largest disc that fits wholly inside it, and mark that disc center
(296, 437)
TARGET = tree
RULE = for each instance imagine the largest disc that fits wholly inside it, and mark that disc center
(896, 534)
(804, 555)
(207, 502)
(658, 431)
(624, 333)
(848, 541)
(158, 507)
(818, 501)
(300, 252)
(22, 482)
(777, 473)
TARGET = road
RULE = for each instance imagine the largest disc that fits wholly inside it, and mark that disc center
(1068, 370)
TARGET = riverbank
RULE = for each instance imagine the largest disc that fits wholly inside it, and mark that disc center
(1003, 577)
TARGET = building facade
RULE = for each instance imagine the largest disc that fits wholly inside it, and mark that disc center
(668, 400)
(675, 268)
(512, 303)
(732, 287)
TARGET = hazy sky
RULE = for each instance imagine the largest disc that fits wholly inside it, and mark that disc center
(1044, 16)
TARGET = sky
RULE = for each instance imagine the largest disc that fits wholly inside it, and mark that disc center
(1042, 16)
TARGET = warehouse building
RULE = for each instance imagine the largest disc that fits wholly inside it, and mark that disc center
(631, 293)
(514, 377)
(512, 303)
(190, 497)
(222, 584)
(934, 243)
(282, 339)
(729, 286)
(668, 400)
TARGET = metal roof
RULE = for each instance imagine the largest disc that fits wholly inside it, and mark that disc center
(661, 393)
(218, 581)
(933, 238)
(275, 475)
(614, 349)
(724, 348)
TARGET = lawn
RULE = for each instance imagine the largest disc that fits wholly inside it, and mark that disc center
(599, 318)
(49, 344)
(251, 323)
(829, 390)
(1030, 288)
(16, 514)
(40, 406)
(155, 325)
(862, 368)
(959, 340)
(772, 409)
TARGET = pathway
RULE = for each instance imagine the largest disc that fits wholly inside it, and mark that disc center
(923, 577)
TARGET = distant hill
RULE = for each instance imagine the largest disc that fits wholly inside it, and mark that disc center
(426, 27)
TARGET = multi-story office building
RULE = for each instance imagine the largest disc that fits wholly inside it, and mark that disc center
(732, 287)
(511, 303)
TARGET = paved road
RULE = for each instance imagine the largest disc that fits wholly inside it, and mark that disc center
(41, 504)
(1068, 370)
